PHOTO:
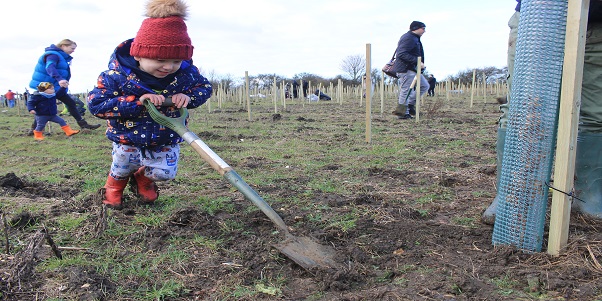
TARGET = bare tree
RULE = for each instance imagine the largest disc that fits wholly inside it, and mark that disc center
(491, 74)
(227, 82)
(266, 81)
(354, 66)
(375, 75)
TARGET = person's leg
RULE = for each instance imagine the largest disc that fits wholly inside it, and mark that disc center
(588, 161)
(424, 87)
(41, 122)
(405, 81)
(126, 160)
(34, 124)
(64, 126)
(38, 132)
(71, 106)
(488, 216)
(160, 164)
(513, 25)
(56, 119)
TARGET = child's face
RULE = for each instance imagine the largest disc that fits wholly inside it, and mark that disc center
(50, 90)
(159, 68)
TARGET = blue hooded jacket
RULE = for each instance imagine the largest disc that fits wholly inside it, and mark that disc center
(44, 106)
(116, 98)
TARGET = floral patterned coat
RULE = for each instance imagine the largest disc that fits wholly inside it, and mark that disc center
(116, 98)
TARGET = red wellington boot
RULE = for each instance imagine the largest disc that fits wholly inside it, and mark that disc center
(113, 192)
(144, 187)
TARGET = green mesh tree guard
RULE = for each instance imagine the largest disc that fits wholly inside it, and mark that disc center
(531, 131)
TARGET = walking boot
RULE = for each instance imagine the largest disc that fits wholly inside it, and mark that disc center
(68, 131)
(588, 175)
(488, 216)
(38, 135)
(400, 110)
(112, 193)
(84, 125)
(144, 187)
(34, 124)
(412, 109)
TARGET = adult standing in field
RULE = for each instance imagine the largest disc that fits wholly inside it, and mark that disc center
(409, 48)
(10, 98)
(432, 84)
(488, 216)
(305, 86)
(54, 66)
(588, 163)
(295, 89)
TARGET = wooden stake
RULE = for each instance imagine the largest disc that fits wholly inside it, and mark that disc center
(447, 88)
(275, 96)
(368, 94)
(418, 80)
(474, 73)
(382, 93)
(570, 97)
(484, 89)
(247, 94)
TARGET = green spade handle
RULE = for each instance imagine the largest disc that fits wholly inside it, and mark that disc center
(178, 124)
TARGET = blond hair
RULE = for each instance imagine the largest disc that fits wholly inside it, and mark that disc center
(65, 42)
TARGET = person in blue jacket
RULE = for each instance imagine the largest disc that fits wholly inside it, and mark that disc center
(409, 48)
(155, 65)
(54, 67)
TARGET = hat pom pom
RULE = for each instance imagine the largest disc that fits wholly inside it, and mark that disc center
(166, 8)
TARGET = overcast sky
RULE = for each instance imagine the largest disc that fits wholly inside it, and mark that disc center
(261, 36)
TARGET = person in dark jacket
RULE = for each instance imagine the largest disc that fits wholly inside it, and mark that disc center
(305, 86)
(154, 66)
(432, 84)
(295, 89)
(588, 162)
(42, 104)
(409, 48)
(54, 67)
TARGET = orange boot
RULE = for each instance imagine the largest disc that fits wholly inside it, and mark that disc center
(68, 131)
(144, 187)
(38, 135)
(112, 195)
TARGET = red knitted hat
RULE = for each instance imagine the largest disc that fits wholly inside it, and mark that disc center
(163, 35)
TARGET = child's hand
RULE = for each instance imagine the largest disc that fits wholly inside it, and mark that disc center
(180, 100)
(155, 99)
(32, 112)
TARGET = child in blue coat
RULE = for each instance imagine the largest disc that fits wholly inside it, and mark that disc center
(42, 103)
(156, 64)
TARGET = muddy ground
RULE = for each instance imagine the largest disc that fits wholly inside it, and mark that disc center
(397, 252)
